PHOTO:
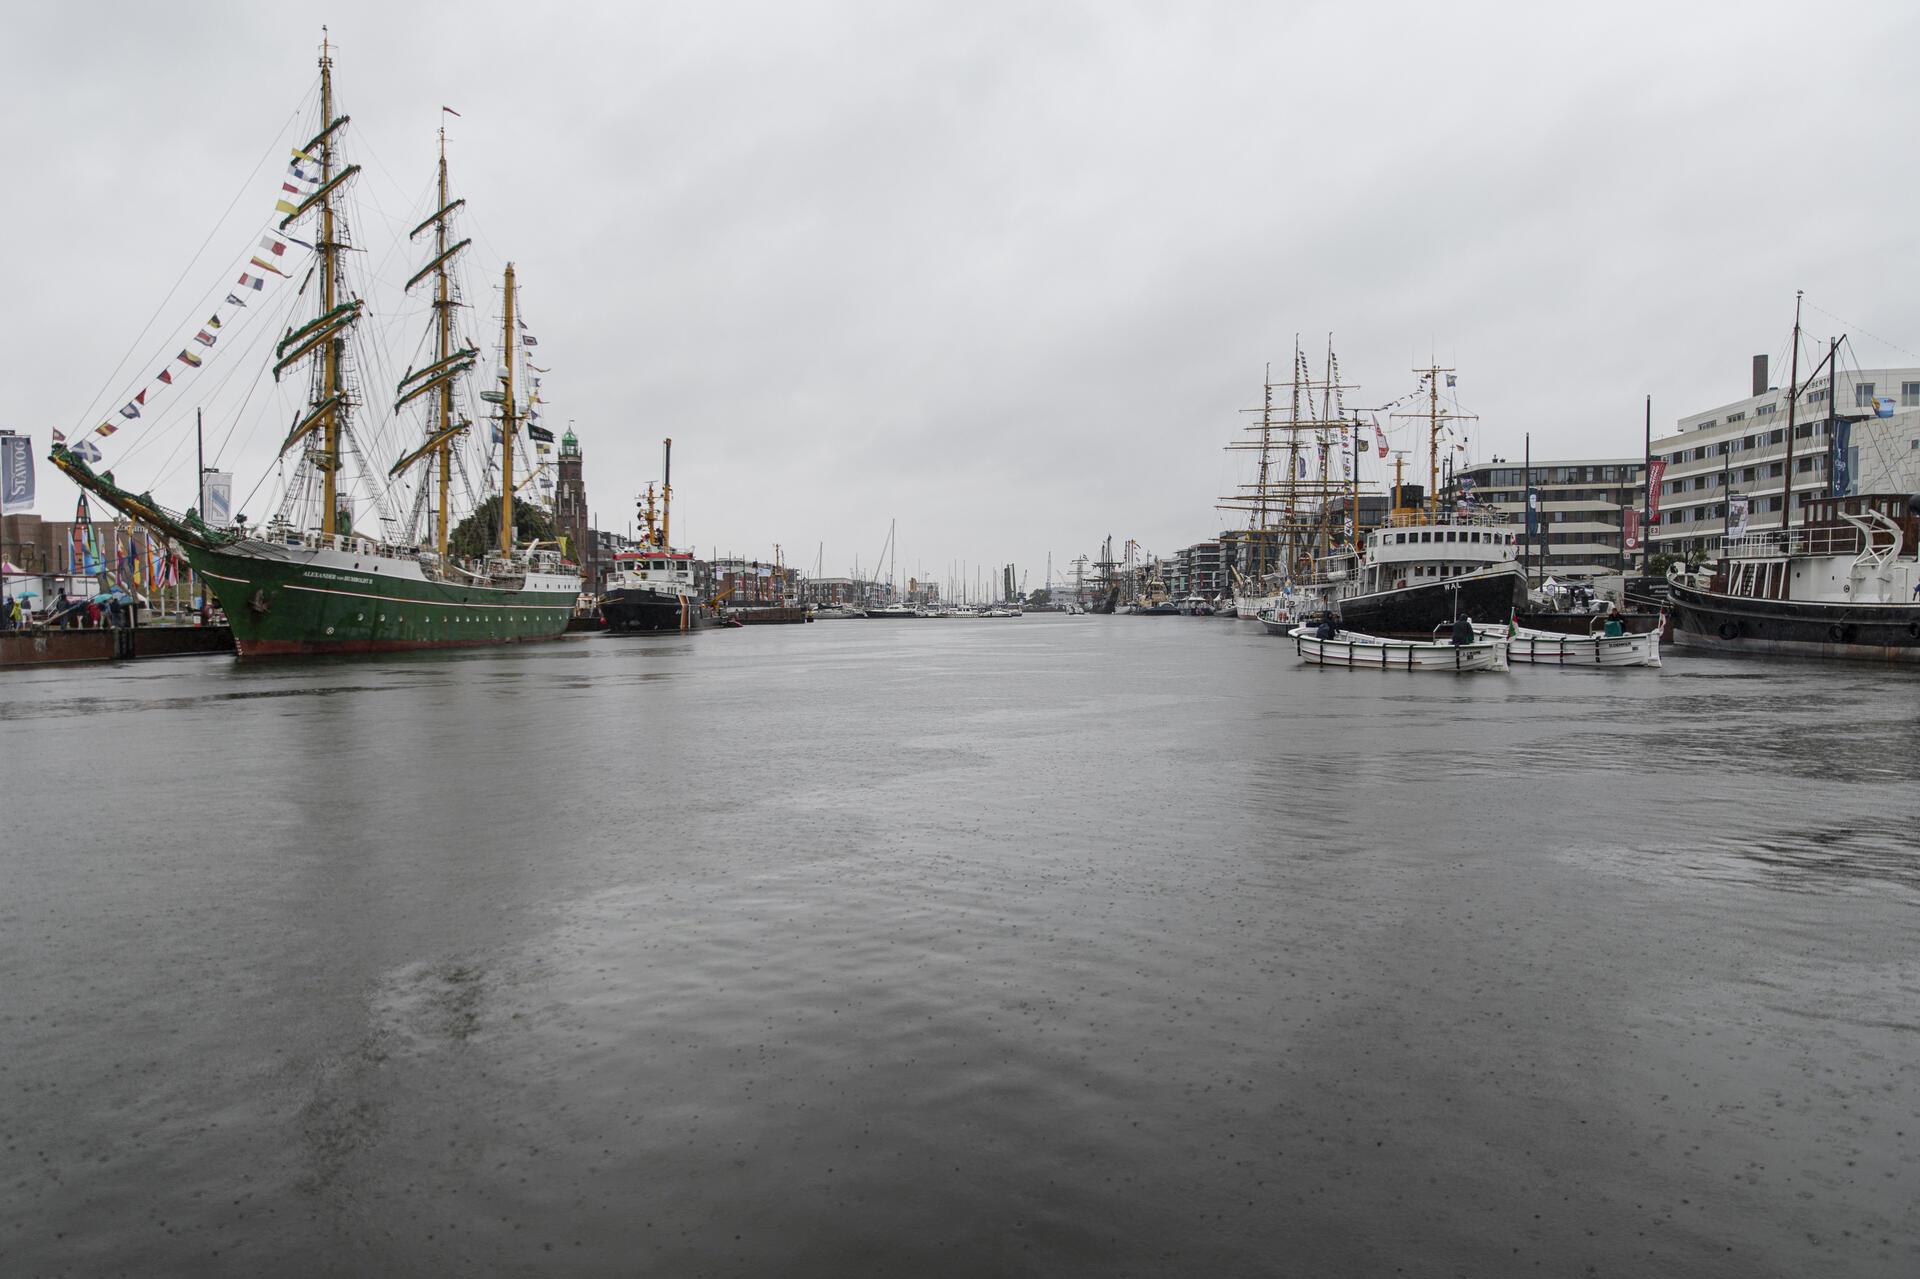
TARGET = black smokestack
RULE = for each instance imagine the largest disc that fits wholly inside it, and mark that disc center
(1759, 375)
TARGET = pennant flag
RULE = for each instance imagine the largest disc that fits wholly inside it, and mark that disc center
(283, 206)
(302, 243)
(450, 111)
(205, 338)
(213, 321)
(537, 369)
(1380, 439)
(291, 189)
(59, 436)
(299, 172)
(131, 411)
(105, 428)
(142, 397)
(189, 359)
(267, 266)
(166, 377)
(232, 300)
(273, 245)
(527, 339)
(253, 282)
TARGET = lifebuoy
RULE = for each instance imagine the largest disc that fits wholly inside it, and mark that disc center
(1728, 630)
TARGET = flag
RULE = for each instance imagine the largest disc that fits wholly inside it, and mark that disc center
(188, 358)
(450, 111)
(59, 436)
(16, 474)
(1630, 530)
(1655, 470)
(213, 321)
(284, 206)
(527, 339)
(216, 498)
(165, 376)
(86, 451)
(253, 282)
(1736, 517)
(1450, 379)
(1380, 439)
(105, 428)
(302, 243)
(234, 300)
(131, 411)
(291, 189)
(142, 397)
(205, 338)
(537, 369)
(267, 266)
(1840, 464)
(540, 433)
(273, 245)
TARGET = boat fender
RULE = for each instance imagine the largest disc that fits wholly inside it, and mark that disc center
(1400, 585)
(1913, 629)
(1728, 630)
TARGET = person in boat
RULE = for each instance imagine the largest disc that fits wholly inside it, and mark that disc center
(1326, 630)
(1614, 627)
(1463, 630)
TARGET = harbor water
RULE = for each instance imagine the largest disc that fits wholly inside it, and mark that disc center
(1044, 946)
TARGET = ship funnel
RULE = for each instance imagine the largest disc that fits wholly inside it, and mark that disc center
(1759, 375)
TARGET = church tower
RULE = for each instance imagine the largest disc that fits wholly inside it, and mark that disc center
(570, 518)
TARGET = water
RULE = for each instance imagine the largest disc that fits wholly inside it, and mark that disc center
(1052, 946)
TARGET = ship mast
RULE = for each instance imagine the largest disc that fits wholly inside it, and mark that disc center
(443, 321)
(507, 426)
(666, 500)
(1793, 398)
(329, 459)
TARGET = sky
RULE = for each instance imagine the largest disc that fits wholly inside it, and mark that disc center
(1006, 274)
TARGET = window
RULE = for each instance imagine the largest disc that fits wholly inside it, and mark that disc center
(1765, 410)
(1910, 394)
(1776, 470)
(1863, 395)
(1709, 423)
(1426, 536)
(1777, 436)
(1741, 416)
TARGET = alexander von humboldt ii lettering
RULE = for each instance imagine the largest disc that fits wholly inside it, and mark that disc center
(309, 581)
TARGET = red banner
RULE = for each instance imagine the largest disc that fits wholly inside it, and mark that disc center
(1630, 529)
(1655, 470)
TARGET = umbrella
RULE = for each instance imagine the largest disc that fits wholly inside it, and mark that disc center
(26, 595)
(104, 596)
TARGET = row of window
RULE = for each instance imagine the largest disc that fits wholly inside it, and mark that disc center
(1449, 535)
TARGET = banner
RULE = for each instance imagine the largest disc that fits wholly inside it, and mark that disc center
(216, 498)
(16, 474)
(1533, 511)
(1736, 517)
(1630, 529)
(1839, 464)
(1655, 470)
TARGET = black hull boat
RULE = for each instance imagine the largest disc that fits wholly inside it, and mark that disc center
(1417, 610)
(1862, 632)
(640, 610)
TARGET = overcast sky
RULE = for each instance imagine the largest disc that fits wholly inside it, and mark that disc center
(1005, 272)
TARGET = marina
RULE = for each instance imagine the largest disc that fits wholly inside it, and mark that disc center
(459, 816)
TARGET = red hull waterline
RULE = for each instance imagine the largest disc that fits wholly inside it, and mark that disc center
(300, 648)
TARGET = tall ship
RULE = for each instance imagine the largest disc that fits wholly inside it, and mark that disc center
(654, 587)
(1428, 564)
(309, 581)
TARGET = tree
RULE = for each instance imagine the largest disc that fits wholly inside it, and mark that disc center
(479, 533)
(1040, 598)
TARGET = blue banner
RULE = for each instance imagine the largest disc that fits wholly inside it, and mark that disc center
(1839, 463)
(16, 474)
(1533, 510)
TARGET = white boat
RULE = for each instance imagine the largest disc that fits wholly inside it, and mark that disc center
(1548, 648)
(1349, 648)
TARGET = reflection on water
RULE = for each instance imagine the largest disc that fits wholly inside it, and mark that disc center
(1057, 946)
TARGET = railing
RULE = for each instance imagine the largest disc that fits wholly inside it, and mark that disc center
(1800, 541)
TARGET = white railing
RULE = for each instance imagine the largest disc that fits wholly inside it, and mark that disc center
(1800, 541)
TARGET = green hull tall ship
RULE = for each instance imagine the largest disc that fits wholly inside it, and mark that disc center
(308, 582)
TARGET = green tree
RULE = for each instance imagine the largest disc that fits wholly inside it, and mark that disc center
(479, 533)
(1040, 598)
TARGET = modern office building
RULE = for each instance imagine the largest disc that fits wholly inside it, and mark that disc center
(1581, 531)
(1740, 451)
